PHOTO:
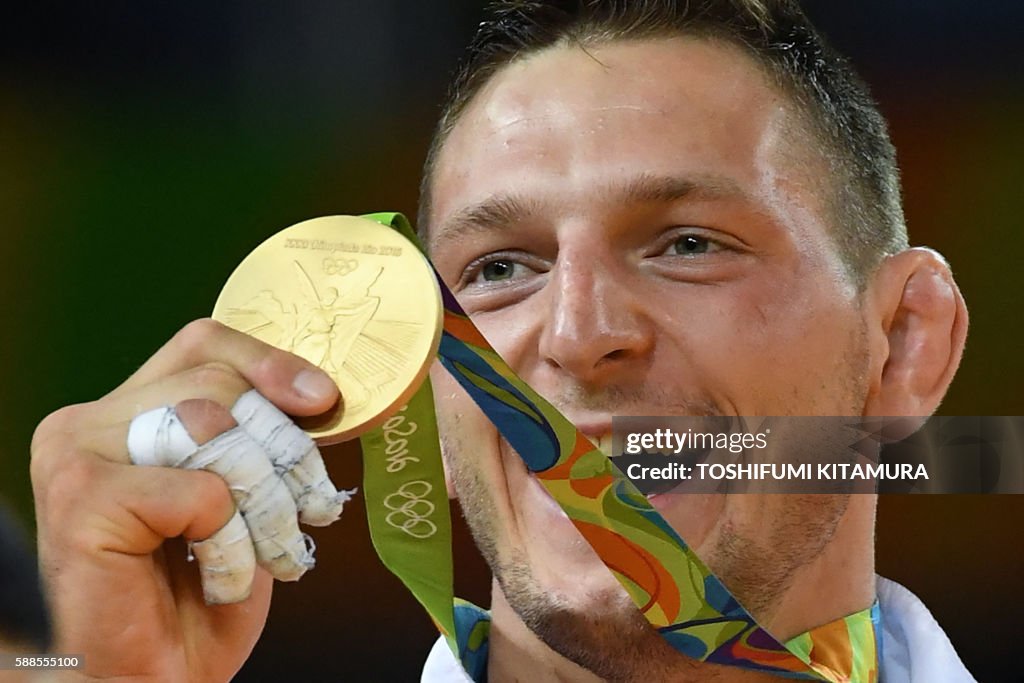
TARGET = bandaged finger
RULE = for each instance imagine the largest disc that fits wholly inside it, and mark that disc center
(227, 563)
(295, 457)
(263, 499)
(159, 438)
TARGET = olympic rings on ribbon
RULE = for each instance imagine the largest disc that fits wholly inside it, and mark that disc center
(410, 501)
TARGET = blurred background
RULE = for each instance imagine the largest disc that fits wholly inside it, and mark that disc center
(146, 147)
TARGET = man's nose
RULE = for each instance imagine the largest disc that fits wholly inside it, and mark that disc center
(596, 327)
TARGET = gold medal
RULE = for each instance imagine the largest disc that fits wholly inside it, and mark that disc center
(351, 296)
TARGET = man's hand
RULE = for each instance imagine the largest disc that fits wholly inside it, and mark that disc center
(120, 594)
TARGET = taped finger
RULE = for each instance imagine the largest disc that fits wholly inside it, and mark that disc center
(263, 499)
(295, 456)
(227, 563)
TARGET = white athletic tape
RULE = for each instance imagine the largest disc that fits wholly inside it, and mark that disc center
(261, 497)
(227, 563)
(158, 438)
(295, 457)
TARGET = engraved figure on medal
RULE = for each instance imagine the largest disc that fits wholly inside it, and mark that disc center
(333, 327)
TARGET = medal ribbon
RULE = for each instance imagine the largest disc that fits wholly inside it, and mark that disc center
(409, 520)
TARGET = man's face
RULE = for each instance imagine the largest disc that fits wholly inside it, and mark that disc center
(635, 230)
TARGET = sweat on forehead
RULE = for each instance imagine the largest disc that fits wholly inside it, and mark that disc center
(557, 84)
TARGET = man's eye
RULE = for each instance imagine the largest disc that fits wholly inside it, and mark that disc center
(693, 245)
(496, 271)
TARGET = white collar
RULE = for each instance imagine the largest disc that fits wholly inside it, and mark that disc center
(914, 647)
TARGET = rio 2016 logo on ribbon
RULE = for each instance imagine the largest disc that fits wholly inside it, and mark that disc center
(397, 442)
(410, 510)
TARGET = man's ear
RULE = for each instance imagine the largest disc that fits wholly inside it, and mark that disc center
(917, 326)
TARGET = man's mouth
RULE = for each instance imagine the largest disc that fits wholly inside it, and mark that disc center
(653, 488)
(604, 442)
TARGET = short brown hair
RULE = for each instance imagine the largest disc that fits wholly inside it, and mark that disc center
(864, 195)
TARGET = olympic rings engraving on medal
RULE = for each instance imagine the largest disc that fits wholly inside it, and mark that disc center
(339, 266)
(410, 510)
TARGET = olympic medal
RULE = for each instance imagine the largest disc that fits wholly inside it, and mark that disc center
(353, 297)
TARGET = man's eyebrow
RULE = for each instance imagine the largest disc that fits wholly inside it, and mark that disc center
(504, 211)
(649, 188)
(492, 214)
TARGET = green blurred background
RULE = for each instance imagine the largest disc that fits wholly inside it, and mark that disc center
(146, 147)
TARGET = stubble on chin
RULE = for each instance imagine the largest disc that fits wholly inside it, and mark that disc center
(608, 637)
(759, 571)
